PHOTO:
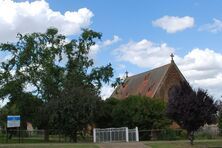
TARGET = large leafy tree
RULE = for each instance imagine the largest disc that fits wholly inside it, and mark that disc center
(60, 73)
(81, 87)
(191, 109)
(31, 63)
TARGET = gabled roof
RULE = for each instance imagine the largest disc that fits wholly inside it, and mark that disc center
(144, 84)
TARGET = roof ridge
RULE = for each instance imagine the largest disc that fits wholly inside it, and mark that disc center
(148, 71)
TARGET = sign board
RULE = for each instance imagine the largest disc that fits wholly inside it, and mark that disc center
(13, 121)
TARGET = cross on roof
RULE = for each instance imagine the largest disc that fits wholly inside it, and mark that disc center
(172, 56)
(126, 74)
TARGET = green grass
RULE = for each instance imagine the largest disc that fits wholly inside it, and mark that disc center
(150, 144)
(40, 139)
(54, 145)
(184, 144)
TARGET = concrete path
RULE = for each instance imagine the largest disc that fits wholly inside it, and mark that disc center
(123, 145)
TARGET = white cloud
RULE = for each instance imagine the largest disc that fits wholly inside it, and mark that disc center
(144, 53)
(201, 67)
(121, 66)
(202, 60)
(37, 16)
(173, 24)
(106, 91)
(214, 27)
(3, 102)
(112, 41)
(96, 48)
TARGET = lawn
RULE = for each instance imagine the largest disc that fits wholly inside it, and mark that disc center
(149, 144)
(54, 145)
(184, 144)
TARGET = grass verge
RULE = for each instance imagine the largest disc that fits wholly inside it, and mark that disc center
(49, 145)
(185, 144)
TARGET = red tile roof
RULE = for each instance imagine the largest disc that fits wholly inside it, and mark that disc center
(144, 84)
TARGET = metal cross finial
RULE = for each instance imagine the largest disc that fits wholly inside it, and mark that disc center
(172, 56)
(126, 74)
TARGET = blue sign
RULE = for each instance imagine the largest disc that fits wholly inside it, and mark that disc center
(13, 121)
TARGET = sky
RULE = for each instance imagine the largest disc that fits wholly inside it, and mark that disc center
(138, 35)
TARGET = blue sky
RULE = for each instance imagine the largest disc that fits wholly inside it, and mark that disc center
(138, 35)
(132, 20)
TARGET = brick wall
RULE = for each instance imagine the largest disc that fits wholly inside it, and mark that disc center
(172, 78)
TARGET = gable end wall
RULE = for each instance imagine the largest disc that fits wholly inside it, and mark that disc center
(172, 78)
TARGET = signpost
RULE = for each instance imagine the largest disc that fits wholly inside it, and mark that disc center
(13, 121)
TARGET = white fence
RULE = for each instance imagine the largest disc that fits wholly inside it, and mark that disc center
(108, 135)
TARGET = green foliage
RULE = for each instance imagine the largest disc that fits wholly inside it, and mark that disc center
(143, 112)
(63, 77)
(172, 134)
(104, 117)
(117, 82)
(204, 135)
(26, 106)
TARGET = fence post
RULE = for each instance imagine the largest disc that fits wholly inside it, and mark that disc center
(6, 135)
(110, 134)
(127, 134)
(19, 135)
(94, 135)
(137, 135)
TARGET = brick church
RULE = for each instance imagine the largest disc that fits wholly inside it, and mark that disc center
(154, 83)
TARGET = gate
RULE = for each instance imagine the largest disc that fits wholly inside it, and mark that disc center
(108, 135)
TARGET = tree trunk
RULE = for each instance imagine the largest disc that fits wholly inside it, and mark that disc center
(191, 137)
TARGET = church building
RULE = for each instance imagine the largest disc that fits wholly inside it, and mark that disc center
(154, 83)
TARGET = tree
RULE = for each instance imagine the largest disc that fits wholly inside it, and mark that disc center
(82, 83)
(60, 73)
(105, 117)
(143, 112)
(31, 63)
(190, 109)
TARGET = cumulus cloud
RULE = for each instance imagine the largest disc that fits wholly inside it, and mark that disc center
(144, 53)
(112, 41)
(173, 24)
(214, 27)
(96, 48)
(201, 67)
(106, 91)
(121, 66)
(37, 16)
